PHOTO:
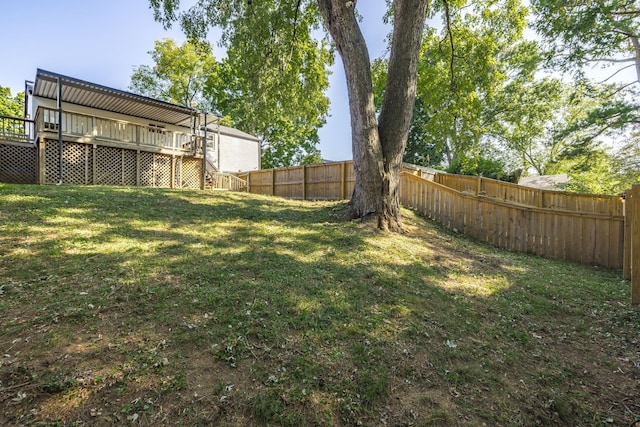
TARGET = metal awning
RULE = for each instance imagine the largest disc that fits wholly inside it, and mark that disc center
(80, 92)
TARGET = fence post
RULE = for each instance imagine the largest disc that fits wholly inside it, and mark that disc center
(249, 182)
(273, 182)
(633, 200)
(304, 182)
(626, 234)
(343, 181)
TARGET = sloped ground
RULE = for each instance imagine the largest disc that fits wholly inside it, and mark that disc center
(159, 307)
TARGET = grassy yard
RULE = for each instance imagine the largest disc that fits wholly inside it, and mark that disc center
(123, 306)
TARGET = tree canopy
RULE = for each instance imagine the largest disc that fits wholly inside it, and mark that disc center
(11, 105)
(470, 94)
(180, 74)
(250, 97)
(580, 33)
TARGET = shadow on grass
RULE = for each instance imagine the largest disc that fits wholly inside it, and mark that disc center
(170, 306)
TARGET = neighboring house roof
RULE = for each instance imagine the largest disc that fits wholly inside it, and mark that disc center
(226, 130)
(93, 95)
(545, 182)
(424, 169)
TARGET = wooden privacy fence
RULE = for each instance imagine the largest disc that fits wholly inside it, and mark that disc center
(557, 200)
(329, 181)
(590, 229)
(589, 238)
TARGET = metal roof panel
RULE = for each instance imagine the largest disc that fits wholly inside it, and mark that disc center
(93, 95)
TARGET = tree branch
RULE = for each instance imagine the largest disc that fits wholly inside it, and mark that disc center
(620, 70)
(450, 33)
(627, 13)
(612, 60)
(295, 28)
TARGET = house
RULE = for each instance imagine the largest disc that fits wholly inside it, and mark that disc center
(78, 132)
(236, 151)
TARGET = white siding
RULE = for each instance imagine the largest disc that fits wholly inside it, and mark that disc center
(235, 154)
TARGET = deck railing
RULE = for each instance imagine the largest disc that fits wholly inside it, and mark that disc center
(80, 125)
(16, 129)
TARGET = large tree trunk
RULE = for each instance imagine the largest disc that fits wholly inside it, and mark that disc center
(378, 148)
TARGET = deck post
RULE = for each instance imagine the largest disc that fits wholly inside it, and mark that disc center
(86, 164)
(60, 147)
(41, 159)
(94, 164)
(173, 171)
(204, 154)
(137, 167)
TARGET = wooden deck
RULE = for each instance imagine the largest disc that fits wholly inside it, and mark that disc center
(86, 129)
(15, 129)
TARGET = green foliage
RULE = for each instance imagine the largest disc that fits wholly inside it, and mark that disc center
(599, 171)
(274, 78)
(580, 33)
(524, 117)
(421, 149)
(556, 127)
(478, 166)
(463, 70)
(11, 105)
(179, 75)
(463, 66)
(626, 163)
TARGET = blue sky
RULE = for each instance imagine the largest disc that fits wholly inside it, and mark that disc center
(100, 41)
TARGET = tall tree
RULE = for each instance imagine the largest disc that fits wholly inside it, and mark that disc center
(287, 122)
(268, 29)
(179, 74)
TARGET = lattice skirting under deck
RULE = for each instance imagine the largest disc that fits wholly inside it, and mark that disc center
(18, 163)
(89, 164)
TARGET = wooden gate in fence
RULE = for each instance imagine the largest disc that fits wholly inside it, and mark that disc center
(590, 229)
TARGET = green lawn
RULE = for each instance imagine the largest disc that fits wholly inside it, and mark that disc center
(164, 307)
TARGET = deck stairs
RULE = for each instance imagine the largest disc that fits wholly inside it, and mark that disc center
(215, 180)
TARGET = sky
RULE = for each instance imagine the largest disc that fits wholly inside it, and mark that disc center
(101, 42)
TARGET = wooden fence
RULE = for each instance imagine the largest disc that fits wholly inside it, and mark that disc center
(557, 200)
(330, 181)
(589, 238)
(590, 229)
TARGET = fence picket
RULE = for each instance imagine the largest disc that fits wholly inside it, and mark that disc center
(584, 228)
